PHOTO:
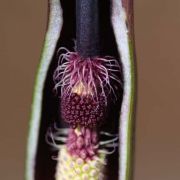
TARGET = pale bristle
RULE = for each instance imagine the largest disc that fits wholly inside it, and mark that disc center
(75, 168)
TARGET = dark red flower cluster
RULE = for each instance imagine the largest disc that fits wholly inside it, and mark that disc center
(83, 111)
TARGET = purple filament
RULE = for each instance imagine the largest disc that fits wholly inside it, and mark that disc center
(99, 75)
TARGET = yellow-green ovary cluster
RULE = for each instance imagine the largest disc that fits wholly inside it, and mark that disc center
(75, 168)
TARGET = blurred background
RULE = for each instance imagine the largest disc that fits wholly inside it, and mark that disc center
(157, 30)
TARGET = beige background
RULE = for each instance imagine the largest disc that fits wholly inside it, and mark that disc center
(157, 27)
